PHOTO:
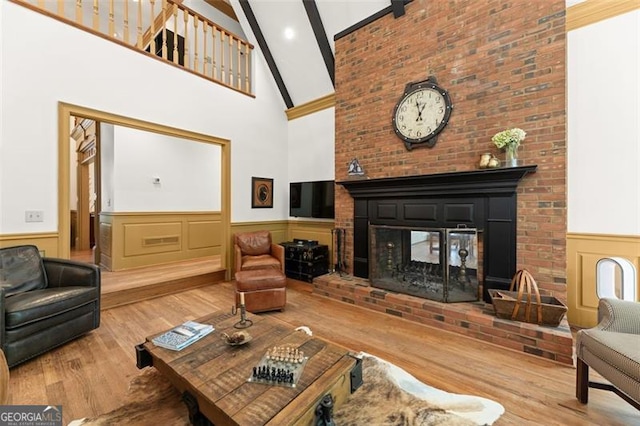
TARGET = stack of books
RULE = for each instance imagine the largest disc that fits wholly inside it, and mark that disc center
(183, 335)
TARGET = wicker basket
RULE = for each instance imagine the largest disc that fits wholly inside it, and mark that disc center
(522, 305)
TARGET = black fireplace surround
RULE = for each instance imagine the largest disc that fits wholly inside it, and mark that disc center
(482, 199)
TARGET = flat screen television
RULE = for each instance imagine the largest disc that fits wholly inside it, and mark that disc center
(312, 199)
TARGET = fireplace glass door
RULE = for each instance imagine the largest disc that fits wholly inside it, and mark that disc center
(434, 263)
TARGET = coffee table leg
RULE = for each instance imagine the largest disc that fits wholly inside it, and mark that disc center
(195, 416)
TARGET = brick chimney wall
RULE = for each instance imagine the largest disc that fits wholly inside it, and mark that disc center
(503, 64)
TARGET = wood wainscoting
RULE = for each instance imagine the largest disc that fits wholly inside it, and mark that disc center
(135, 239)
(583, 252)
(47, 242)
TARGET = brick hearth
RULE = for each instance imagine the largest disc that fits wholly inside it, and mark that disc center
(476, 320)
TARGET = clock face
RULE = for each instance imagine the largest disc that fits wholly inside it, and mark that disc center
(421, 114)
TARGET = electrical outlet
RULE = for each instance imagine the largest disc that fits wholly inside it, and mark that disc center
(34, 216)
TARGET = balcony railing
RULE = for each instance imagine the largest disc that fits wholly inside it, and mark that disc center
(173, 32)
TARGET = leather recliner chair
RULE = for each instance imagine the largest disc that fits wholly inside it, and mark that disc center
(44, 302)
(255, 250)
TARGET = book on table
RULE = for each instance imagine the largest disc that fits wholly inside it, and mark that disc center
(183, 335)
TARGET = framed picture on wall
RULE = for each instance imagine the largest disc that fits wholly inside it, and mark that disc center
(261, 193)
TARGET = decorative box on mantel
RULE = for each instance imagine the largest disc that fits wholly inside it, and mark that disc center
(481, 199)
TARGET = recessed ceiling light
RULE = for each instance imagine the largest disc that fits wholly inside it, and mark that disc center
(289, 33)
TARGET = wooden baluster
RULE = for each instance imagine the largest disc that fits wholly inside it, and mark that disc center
(175, 34)
(186, 39)
(222, 33)
(112, 27)
(139, 42)
(96, 16)
(214, 71)
(41, 4)
(230, 60)
(79, 12)
(153, 27)
(205, 27)
(247, 68)
(195, 43)
(239, 68)
(125, 28)
(164, 30)
(61, 8)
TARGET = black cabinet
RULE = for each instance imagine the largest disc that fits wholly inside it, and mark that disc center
(304, 259)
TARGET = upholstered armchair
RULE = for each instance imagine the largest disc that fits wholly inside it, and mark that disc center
(255, 250)
(44, 302)
(612, 348)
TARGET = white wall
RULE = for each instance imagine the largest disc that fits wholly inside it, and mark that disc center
(311, 147)
(603, 81)
(188, 173)
(45, 62)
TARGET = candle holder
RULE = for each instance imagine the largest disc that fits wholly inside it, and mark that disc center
(244, 322)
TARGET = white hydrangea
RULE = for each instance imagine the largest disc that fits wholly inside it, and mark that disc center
(510, 137)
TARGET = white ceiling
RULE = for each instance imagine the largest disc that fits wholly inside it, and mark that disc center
(299, 60)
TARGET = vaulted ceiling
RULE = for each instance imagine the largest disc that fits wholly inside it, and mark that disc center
(296, 38)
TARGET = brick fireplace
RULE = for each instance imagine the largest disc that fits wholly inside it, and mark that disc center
(503, 65)
(484, 200)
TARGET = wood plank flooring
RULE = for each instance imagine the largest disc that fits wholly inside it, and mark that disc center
(90, 375)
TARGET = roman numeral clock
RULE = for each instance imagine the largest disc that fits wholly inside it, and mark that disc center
(421, 113)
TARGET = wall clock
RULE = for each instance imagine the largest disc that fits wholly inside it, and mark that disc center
(261, 192)
(421, 113)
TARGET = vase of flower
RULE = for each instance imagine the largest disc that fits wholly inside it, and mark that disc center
(509, 140)
(511, 156)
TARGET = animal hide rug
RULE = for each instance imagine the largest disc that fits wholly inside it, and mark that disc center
(388, 396)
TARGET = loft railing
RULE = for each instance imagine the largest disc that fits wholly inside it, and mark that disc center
(175, 33)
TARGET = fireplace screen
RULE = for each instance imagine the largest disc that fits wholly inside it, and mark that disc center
(434, 263)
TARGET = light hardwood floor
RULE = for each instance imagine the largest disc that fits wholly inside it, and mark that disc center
(90, 375)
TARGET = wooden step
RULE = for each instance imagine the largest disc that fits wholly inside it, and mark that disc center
(134, 285)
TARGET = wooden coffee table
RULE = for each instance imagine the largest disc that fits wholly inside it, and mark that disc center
(213, 376)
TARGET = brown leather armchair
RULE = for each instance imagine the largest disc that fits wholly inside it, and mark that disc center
(259, 272)
(44, 302)
(255, 250)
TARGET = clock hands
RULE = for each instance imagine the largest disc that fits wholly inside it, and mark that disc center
(420, 109)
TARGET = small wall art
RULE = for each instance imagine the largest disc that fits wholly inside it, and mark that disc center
(261, 193)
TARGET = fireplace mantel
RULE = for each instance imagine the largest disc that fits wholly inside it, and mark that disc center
(487, 181)
(481, 199)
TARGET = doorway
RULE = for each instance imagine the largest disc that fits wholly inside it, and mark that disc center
(66, 114)
(84, 189)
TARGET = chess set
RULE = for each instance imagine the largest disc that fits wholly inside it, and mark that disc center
(280, 366)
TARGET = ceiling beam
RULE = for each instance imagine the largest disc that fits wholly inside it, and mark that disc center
(321, 37)
(368, 20)
(398, 8)
(257, 32)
